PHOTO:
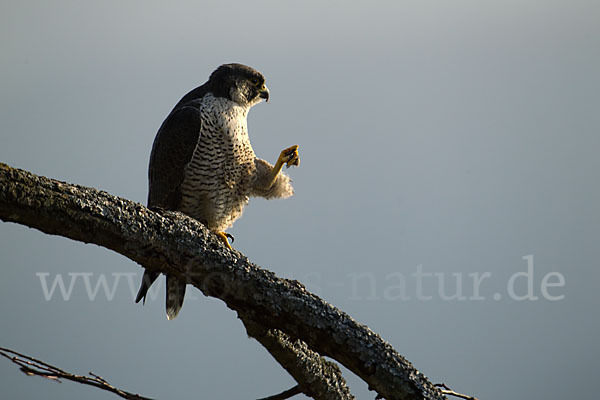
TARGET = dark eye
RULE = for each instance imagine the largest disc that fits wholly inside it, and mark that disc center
(254, 81)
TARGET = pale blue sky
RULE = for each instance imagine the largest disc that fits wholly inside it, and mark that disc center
(450, 137)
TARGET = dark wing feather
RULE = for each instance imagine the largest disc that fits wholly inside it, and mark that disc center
(173, 148)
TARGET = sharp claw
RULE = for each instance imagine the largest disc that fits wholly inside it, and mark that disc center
(224, 236)
(294, 160)
(230, 236)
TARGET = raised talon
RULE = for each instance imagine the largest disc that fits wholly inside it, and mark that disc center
(223, 236)
(290, 156)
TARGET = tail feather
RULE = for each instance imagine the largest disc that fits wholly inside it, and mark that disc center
(175, 295)
(147, 281)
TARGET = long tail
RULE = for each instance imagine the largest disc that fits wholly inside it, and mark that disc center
(175, 294)
(147, 281)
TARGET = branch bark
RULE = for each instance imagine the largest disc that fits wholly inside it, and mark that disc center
(321, 379)
(269, 306)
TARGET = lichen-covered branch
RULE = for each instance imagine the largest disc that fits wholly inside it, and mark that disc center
(322, 379)
(173, 243)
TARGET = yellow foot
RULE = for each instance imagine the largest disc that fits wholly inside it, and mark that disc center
(289, 157)
(224, 237)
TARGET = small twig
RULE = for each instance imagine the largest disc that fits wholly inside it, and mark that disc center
(98, 377)
(285, 395)
(449, 392)
(30, 366)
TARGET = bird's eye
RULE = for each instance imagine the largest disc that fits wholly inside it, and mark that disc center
(254, 81)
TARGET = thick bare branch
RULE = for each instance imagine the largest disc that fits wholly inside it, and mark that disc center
(176, 244)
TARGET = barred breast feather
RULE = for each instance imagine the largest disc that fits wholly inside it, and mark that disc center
(218, 179)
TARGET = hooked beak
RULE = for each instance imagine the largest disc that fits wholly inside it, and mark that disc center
(264, 93)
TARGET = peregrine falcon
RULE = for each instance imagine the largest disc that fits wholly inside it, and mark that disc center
(202, 163)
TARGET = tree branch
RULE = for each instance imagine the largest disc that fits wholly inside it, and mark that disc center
(176, 244)
(285, 394)
(30, 366)
(322, 379)
(447, 391)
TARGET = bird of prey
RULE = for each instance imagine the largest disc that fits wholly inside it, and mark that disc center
(202, 163)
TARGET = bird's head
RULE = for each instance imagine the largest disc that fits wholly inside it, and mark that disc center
(239, 83)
